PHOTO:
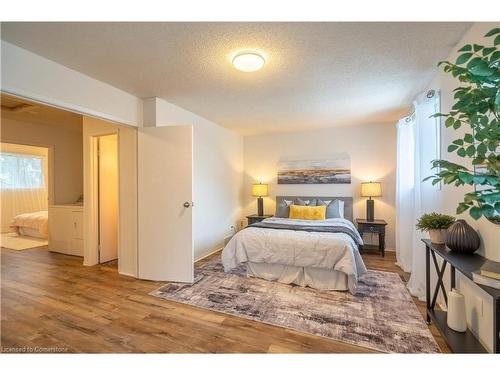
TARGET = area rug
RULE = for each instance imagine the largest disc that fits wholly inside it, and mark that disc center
(13, 241)
(381, 316)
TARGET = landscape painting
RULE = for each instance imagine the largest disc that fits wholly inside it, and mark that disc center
(334, 170)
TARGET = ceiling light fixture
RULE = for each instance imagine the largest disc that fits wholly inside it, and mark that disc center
(248, 62)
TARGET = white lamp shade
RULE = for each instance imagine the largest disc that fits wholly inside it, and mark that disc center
(259, 190)
(371, 189)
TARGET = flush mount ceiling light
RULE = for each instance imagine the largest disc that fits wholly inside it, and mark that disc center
(248, 62)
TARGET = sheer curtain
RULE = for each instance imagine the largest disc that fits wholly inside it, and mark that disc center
(417, 146)
(23, 185)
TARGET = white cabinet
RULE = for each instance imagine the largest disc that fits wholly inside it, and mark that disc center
(66, 229)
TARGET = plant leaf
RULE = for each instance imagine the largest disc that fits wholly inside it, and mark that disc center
(482, 69)
(492, 32)
(463, 58)
(475, 212)
(487, 210)
(462, 208)
(495, 57)
(466, 48)
(468, 138)
(488, 50)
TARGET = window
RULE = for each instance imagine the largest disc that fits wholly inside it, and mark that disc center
(18, 171)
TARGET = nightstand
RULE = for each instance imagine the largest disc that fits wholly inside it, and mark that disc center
(256, 218)
(375, 226)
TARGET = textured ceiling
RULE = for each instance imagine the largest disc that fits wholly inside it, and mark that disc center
(316, 75)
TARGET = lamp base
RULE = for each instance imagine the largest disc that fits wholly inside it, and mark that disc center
(370, 210)
(260, 206)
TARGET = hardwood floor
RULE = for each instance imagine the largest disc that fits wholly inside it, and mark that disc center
(51, 303)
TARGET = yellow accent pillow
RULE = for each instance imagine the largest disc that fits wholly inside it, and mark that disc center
(307, 212)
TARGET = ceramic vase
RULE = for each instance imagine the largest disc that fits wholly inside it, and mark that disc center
(437, 235)
(456, 319)
(462, 238)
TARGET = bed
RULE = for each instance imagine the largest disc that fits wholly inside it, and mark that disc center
(32, 224)
(321, 254)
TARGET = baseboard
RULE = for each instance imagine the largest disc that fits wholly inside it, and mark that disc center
(127, 274)
(207, 255)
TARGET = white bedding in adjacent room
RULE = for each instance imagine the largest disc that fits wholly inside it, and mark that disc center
(298, 248)
(34, 224)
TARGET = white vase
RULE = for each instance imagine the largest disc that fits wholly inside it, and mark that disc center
(456, 311)
(437, 235)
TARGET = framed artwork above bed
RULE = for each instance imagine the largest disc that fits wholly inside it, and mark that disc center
(332, 170)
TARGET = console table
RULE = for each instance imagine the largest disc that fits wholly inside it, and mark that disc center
(459, 342)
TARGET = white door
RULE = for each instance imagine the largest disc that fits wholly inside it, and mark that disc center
(108, 198)
(164, 189)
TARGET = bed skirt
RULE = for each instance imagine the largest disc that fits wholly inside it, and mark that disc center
(316, 278)
(30, 232)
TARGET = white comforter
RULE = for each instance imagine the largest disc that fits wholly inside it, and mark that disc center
(331, 251)
(34, 220)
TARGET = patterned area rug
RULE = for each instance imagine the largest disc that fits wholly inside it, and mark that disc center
(381, 316)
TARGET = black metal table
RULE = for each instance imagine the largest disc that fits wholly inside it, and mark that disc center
(459, 342)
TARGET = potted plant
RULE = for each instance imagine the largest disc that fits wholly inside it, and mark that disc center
(436, 224)
(477, 111)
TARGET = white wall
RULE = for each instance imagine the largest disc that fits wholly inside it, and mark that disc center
(217, 173)
(479, 304)
(67, 151)
(372, 149)
(218, 158)
(218, 185)
(34, 77)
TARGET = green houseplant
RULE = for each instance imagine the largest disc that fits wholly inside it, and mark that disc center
(476, 108)
(436, 224)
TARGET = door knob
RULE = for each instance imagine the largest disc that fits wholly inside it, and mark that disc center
(186, 204)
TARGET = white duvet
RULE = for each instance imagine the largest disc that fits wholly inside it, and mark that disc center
(330, 251)
(38, 221)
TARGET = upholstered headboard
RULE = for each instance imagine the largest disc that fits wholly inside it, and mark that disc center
(347, 203)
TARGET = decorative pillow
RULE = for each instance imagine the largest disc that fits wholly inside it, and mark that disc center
(283, 209)
(305, 202)
(307, 212)
(334, 208)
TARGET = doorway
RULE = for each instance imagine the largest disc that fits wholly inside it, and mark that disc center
(24, 195)
(106, 154)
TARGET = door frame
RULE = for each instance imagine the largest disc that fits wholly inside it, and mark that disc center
(93, 235)
(127, 171)
(91, 253)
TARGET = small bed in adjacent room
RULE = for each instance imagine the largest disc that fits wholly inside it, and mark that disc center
(321, 254)
(32, 224)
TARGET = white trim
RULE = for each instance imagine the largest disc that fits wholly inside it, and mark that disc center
(201, 257)
(37, 78)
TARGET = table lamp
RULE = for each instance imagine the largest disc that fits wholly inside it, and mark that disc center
(259, 190)
(370, 190)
